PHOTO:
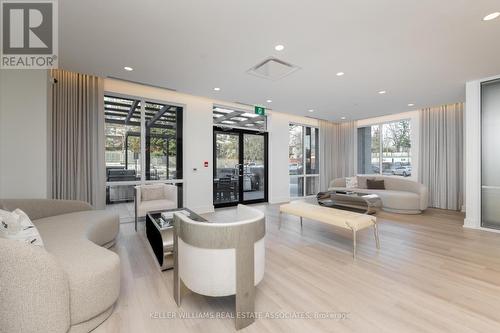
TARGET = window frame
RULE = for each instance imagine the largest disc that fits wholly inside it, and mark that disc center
(240, 110)
(143, 100)
(304, 173)
(381, 148)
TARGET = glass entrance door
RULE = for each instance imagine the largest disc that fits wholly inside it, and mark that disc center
(226, 168)
(254, 167)
(240, 167)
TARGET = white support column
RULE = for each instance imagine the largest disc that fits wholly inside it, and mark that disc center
(472, 155)
(143, 141)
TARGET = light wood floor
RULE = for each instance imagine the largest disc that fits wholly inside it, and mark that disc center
(431, 275)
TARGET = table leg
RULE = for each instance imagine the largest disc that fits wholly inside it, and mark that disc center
(354, 245)
(177, 280)
(375, 230)
(135, 207)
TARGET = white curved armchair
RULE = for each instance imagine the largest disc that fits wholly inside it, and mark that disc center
(154, 197)
(221, 259)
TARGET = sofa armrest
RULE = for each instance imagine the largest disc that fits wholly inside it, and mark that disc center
(424, 197)
(171, 192)
(137, 195)
(40, 208)
(33, 288)
(337, 182)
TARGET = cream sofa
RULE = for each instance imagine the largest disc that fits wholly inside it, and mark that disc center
(401, 196)
(70, 284)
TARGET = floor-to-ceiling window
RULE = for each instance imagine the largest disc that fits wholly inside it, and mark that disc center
(143, 145)
(303, 160)
(162, 141)
(385, 149)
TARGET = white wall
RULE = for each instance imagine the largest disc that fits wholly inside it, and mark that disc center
(24, 154)
(198, 142)
(472, 154)
(279, 179)
(197, 139)
(23, 133)
(414, 134)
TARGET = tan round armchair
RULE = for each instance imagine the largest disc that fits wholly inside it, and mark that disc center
(154, 197)
(221, 259)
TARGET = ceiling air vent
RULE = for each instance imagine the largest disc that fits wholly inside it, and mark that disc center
(273, 69)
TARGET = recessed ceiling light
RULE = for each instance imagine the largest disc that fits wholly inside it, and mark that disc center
(343, 118)
(381, 92)
(127, 68)
(269, 101)
(310, 110)
(216, 89)
(340, 73)
(411, 104)
(491, 16)
(279, 47)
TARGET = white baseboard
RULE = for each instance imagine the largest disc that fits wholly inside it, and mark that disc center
(471, 224)
(483, 229)
(278, 200)
(489, 230)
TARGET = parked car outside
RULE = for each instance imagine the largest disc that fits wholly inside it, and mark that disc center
(293, 169)
(403, 170)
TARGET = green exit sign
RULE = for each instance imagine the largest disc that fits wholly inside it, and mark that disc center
(260, 110)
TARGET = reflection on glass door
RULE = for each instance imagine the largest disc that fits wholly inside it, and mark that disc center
(253, 167)
(240, 167)
(490, 159)
(227, 168)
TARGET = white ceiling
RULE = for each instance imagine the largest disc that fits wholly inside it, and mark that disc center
(420, 52)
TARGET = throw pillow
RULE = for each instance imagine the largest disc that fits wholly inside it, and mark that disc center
(18, 226)
(373, 184)
(351, 182)
(10, 222)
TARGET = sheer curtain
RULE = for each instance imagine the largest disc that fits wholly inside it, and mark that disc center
(337, 151)
(441, 155)
(77, 137)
